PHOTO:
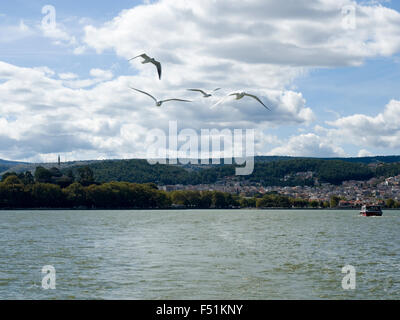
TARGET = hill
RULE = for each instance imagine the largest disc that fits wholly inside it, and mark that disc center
(19, 167)
(6, 164)
(270, 171)
(290, 172)
(365, 160)
(140, 171)
(370, 160)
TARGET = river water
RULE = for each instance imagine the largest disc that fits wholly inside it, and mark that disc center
(199, 254)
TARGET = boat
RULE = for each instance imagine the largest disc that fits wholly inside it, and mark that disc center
(371, 211)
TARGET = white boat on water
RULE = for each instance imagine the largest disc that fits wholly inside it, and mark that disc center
(371, 211)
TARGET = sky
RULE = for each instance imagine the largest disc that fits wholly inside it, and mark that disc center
(328, 70)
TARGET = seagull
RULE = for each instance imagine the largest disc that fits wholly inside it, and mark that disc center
(147, 59)
(205, 94)
(159, 103)
(240, 95)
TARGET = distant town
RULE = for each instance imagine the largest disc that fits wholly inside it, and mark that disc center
(350, 194)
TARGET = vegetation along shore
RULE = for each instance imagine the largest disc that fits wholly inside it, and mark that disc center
(50, 188)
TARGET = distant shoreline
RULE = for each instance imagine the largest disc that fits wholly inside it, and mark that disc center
(185, 209)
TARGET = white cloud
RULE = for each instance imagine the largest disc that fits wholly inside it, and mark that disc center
(23, 27)
(364, 153)
(12, 33)
(68, 76)
(101, 74)
(79, 50)
(98, 75)
(308, 145)
(301, 33)
(58, 34)
(380, 131)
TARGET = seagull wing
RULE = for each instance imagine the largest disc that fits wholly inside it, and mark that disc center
(181, 100)
(198, 90)
(216, 89)
(144, 56)
(159, 69)
(147, 94)
(258, 99)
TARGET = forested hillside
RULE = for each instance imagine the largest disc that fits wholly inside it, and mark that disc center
(270, 171)
(331, 171)
(275, 173)
(140, 171)
(6, 165)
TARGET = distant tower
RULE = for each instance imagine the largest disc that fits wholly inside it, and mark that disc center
(59, 161)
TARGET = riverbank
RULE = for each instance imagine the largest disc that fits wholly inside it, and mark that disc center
(186, 209)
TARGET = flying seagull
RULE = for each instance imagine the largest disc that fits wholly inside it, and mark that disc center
(241, 95)
(159, 102)
(205, 94)
(147, 59)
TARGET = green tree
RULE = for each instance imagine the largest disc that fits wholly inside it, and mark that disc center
(55, 172)
(390, 203)
(314, 204)
(62, 181)
(299, 203)
(126, 195)
(219, 200)
(244, 203)
(152, 185)
(86, 176)
(13, 193)
(274, 201)
(75, 195)
(46, 195)
(8, 174)
(334, 202)
(70, 174)
(206, 199)
(11, 180)
(231, 200)
(28, 178)
(42, 175)
(251, 202)
(193, 198)
(179, 198)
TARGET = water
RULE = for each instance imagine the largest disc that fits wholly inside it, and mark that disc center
(199, 254)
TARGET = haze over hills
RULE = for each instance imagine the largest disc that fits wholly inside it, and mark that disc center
(18, 166)
(6, 165)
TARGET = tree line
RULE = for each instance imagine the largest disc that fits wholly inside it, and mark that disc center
(50, 188)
